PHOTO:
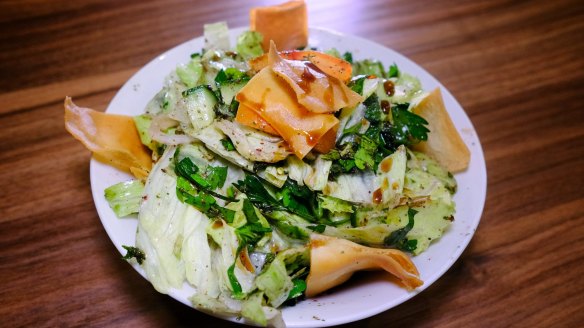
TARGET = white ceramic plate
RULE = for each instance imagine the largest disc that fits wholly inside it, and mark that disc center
(360, 298)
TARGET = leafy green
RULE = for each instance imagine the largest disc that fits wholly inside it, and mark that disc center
(365, 155)
(124, 198)
(398, 238)
(142, 123)
(292, 197)
(134, 252)
(369, 67)
(291, 231)
(255, 191)
(373, 111)
(298, 288)
(298, 199)
(354, 129)
(197, 190)
(228, 144)
(252, 309)
(393, 71)
(408, 128)
(319, 228)
(357, 82)
(333, 52)
(191, 73)
(216, 176)
(186, 193)
(235, 285)
(335, 205)
(348, 57)
(253, 230)
(275, 282)
(231, 75)
(249, 44)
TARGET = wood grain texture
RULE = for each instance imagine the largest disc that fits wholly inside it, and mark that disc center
(517, 67)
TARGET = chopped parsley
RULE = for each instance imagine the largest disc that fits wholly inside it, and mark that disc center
(134, 252)
(398, 238)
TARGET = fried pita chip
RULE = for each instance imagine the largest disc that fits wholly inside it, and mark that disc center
(113, 139)
(330, 65)
(333, 261)
(444, 142)
(286, 24)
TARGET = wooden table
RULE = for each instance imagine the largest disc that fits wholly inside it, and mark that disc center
(517, 67)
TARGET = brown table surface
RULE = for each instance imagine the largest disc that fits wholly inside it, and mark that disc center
(517, 67)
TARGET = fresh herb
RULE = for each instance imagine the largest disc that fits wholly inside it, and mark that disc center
(319, 228)
(214, 177)
(134, 252)
(381, 139)
(231, 75)
(365, 155)
(393, 71)
(197, 190)
(369, 67)
(298, 288)
(298, 199)
(348, 57)
(186, 193)
(398, 238)
(227, 144)
(259, 166)
(354, 129)
(248, 235)
(342, 166)
(373, 112)
(251, 233)
(235, 285)
(291, 231)
(408, 128)
(257, 193)
(292, 197)
(332, 155)
(356, 84)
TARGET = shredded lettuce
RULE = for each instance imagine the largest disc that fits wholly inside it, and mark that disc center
(142, 123)
(249, 44)
(216, 36)
(252, 309)
(125, 198)
(275, 282)
(191, 73)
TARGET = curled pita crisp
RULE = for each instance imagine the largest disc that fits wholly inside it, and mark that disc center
(113, 139)
(444, 142)
(272, 100)
(334, 260)
(314, 89)
(286, 24)
(330, 65)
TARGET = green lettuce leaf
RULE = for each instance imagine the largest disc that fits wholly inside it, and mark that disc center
(125, 198)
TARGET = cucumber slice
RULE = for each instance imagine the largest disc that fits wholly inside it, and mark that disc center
(200, 105)
(229, 90)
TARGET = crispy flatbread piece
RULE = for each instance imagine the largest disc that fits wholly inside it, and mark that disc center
(113, 139)
(333, 261)
(286, 24)
(444, 142)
